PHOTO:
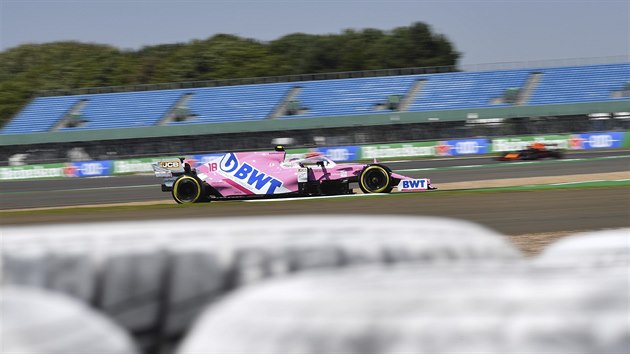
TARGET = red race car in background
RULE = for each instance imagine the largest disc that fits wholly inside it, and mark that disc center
(534, 151)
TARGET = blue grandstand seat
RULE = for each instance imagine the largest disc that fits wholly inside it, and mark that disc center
(235, 103)
(466, 89)
(326, 98)
(349, 96)
(40, 115)
(126, 109)
(594, 83)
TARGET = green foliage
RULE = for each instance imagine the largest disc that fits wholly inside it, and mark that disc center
(30, 68)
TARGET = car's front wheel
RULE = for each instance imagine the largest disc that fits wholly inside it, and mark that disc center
(187, 189)
(375, 179)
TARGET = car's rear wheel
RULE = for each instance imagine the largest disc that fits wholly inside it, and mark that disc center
(187, 189)
(375, 179)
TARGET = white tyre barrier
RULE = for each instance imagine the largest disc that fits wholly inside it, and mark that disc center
(35, 321)
(490, 309)
(598, 249)
(154, 277)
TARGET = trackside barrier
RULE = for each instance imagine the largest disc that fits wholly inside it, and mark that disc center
(426, 149)
(60, 323)
(140, 165)
(571, 300)
(331, 285)
(90, 169)
(347, 153)
(341, 153)
(153, 278)
(603, 140)
(584, 141)
(53, 170)
(520, 142)
(385, 151)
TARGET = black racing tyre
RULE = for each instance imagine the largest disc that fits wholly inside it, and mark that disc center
(187, 189)
(375, 179)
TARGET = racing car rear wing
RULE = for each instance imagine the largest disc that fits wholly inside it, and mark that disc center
(169, 168)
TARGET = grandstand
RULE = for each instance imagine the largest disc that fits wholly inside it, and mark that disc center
(326, 98)
(333, 109)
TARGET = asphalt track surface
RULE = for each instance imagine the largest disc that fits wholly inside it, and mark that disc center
(139, 188)
(514, 213)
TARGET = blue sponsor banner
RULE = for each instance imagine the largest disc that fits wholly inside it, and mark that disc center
(462, 147)
(89, 169)
(340, 153)
(603, 140)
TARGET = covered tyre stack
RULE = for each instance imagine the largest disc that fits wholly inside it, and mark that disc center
(35, 321)
(488, 308)
(153, 278)
(589, 250)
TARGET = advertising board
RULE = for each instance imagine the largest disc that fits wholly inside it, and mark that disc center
(53, 170)
(340, 153)
(399, 150)
(462, 147)
(603, 140)
(89, 169)
(139, 165)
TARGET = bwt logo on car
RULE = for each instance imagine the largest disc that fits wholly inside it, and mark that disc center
(246, 173)
(414, 184)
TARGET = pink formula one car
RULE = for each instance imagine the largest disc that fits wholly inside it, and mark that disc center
(268, 174)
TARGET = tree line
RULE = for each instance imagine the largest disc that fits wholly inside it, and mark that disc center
(30, 68)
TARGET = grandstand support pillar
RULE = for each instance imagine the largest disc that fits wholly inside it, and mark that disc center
(179, 112)
(282, 106)
(410, 96)
(528, 88)
(72, 118)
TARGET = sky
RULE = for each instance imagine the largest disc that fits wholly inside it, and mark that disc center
(488, 31)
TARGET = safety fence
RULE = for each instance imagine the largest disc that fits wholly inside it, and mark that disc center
(420, 149)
